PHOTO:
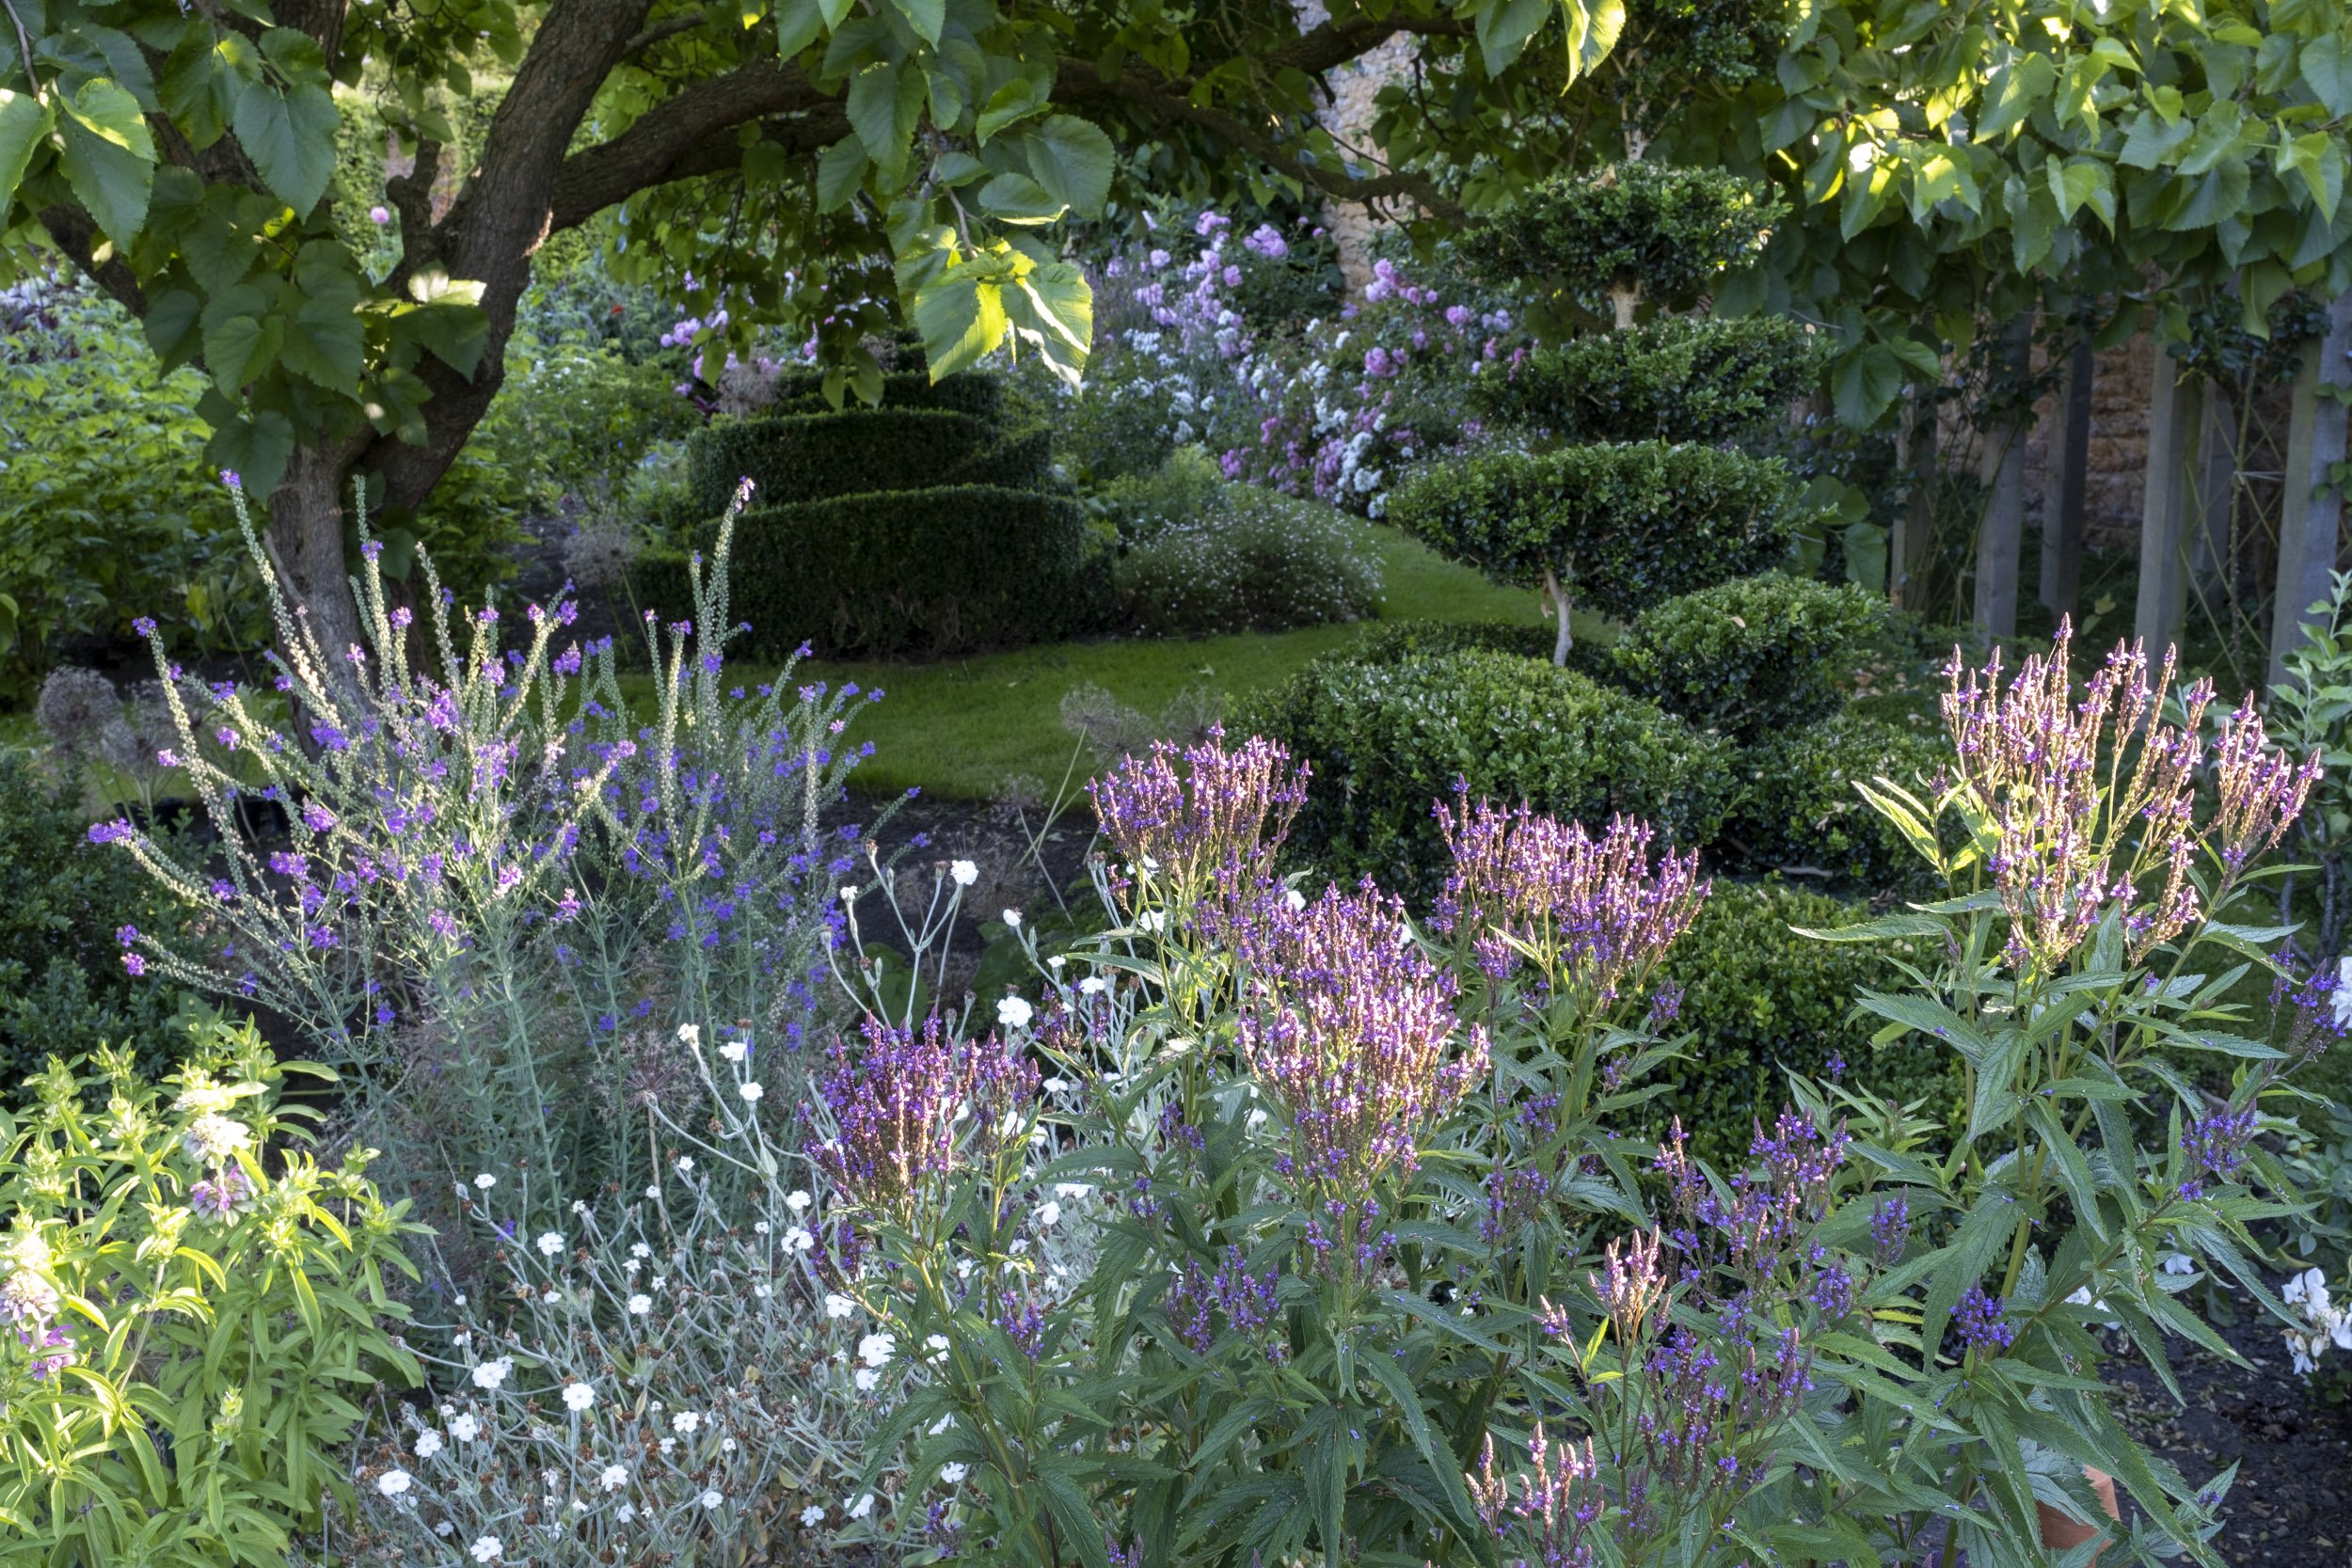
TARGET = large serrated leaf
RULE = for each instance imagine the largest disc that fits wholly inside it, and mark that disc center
(25, 121)
(1073, 159)
(291, 138)
(109, 157)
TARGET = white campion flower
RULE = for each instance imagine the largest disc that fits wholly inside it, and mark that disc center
(964, 872)
(689, 1034)
(735, 1051)
(867, 1379)
(1049, 1213)
(485, 1182)
(864, 1506)
(953, 1474)
(684, 1162)
(685, 1422)
(1014, 1013)
(811, 1515)
(578, 1396)
(941, 1425)
(710, 1499)
(837, 1305)
(1070, 1191)
(212, 1138)
(1152, 920)
(613, 1477)
(393, 1482)
(1055, 963)
(798, 1201)
(550, 1243)
(492, 1374)
(639, 1249)
(1093, 985)
(750, 1091)
(875, 1348)
(428, 1443)
(1012, 919)
(1295, 899)
(798, 1240)
(640, 1303)
(626, 1512)
(465, 1426)
(489, 1548)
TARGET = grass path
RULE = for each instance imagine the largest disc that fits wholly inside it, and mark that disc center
(962, 727)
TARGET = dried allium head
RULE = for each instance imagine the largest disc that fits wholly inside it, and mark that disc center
(1588, 914)
(897, 1097)
(1182, 823)
(1351, 1028)
(598, 554)
(81, 712)
(2072, 787)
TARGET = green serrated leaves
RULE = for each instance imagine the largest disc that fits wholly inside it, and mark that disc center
(26, 122)
(290, 136)
(109, 156)
(1073, 160)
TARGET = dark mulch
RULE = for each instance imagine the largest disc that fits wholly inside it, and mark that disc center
(2292, 1504)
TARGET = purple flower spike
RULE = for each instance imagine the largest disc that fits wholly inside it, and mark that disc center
(1223, 808)
(1351, 1028)
(1591, 911)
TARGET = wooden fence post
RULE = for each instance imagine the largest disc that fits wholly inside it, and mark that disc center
(2311, 509)
(2000, 537)
(2066, 483)
(2175, 423)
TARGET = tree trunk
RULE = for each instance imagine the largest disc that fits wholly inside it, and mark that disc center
(306, 532)
(1625, 299)
(2001, 536)
(1907, 557)
(2175, 420)
(2064, 495)
(2312, 515)
(1560, 608)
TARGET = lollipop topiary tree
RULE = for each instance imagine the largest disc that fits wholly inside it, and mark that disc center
(1653, 507)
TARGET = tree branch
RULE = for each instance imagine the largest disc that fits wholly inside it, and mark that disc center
(674, 139)
(1078, 83)
(75, 232)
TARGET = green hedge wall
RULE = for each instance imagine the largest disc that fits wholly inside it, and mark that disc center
(1751, 656)
(1389, 740)
(1759, 1000)
(905, 573)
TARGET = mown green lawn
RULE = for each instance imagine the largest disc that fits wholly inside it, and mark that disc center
(963, 727)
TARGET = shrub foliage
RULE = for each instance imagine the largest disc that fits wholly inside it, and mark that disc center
(1801, 808)
(1750, 657)
(1390, 742)
(1625, 526)
(1673, 379)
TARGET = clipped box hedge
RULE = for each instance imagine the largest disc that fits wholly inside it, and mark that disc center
(1389, 740)
(924, 573)
(976, 393)
(808, 457)
(1634, 523)
(1673, 379)
(1758, 1001)
(1800, 811)
(1753, 656)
